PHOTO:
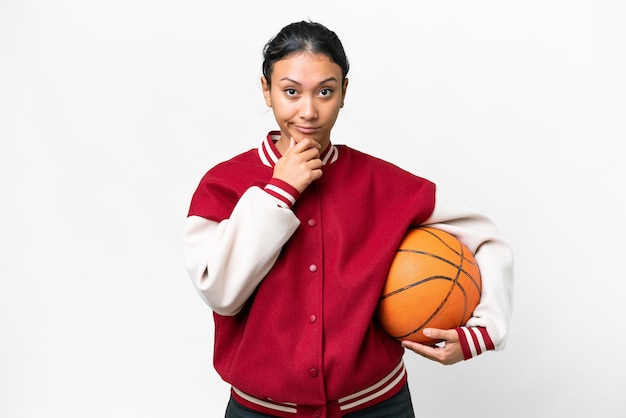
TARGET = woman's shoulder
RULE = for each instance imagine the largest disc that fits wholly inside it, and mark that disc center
(247, 160)
(365, 158)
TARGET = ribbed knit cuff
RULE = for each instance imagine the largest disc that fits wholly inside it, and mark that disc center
(284, 193)
(474, 341)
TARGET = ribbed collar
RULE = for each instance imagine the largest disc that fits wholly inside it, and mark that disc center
(269, 154)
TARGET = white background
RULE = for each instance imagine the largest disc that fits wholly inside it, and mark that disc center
(111, 111)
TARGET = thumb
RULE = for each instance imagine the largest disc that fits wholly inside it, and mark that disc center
(292, 143)
(440, 334)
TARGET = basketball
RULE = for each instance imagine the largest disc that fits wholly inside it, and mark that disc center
(433, 282)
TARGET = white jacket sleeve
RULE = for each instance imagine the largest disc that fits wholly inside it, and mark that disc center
(495, 260)
(227, 260)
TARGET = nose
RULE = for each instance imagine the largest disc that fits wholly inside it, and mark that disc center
(308, 109)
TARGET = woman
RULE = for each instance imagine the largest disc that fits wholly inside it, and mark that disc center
(290, 243)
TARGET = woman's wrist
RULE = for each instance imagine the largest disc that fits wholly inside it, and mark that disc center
(284, 193)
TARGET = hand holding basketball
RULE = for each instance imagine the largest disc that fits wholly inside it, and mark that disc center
(448, 353)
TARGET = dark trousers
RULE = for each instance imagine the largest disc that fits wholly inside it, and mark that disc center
(398, 406)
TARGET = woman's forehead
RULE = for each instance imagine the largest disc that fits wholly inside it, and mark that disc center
(306, 66)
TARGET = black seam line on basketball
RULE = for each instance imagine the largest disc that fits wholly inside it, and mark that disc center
(438, 257)
(427, 279)
(458, 267)
(439, 309)
(455, 280)
(438, 238)
(463, 260)
(445, 260)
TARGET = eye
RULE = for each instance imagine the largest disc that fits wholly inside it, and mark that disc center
(326, 92)
(291, 92)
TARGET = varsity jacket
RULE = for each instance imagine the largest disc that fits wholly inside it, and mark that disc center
(294, 279)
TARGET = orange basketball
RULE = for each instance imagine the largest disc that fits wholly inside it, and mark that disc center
(433, 282)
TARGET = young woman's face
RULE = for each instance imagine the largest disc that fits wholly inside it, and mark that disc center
(306, 94)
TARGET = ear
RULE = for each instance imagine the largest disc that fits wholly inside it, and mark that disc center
(266, 91)
(344, 88)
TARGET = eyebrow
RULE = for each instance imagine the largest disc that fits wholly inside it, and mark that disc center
(298, 83)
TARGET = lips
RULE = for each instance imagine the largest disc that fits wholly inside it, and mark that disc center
(307, 130)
